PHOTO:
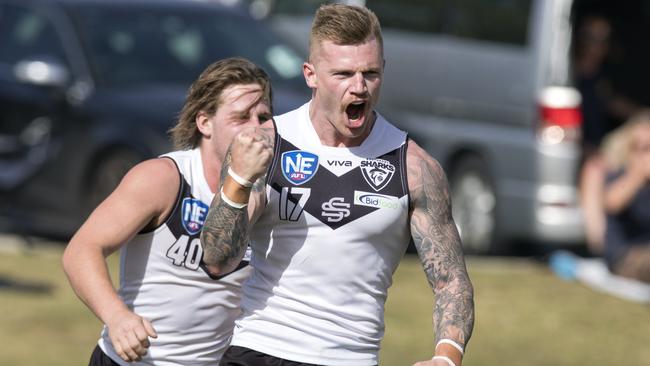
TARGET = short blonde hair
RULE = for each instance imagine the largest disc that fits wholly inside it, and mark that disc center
(344, 25)
(205, 95)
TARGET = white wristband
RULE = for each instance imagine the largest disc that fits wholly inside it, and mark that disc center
(451, 343)
(449, 361)
(232, 203)
(243, 182)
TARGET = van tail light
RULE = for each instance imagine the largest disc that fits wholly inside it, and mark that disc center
(560, 115)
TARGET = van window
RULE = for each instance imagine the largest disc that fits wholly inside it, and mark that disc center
(502, 21)
(412, 15)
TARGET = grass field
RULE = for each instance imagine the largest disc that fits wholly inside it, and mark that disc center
(524, 316)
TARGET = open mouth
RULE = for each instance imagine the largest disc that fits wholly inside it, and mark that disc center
(355, 110)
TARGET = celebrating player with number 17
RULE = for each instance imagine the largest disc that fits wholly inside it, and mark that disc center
(329, 195)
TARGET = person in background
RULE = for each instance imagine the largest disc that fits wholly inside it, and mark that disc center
(168, 309)
(627, 202)
(329, 196)
(603, 110)
(623, 269)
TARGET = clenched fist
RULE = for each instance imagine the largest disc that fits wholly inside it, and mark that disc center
(251, 152)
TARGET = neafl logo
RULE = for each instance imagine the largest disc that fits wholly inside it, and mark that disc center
(193, 215)
(377, 172)
(299, 166)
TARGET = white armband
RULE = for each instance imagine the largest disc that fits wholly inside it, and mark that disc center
(232, 203)
(242, 181)
(451, 343)
(449, 361)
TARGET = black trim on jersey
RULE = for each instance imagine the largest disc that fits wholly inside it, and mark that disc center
(241, 265)
(334, 206)
(178, 198)
(403, 167)
(276, 154)
(174, 220)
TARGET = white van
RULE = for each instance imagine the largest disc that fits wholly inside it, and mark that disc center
(486, 88)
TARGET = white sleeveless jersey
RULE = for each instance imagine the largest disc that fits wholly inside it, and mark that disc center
(162, 278)
(326, 246)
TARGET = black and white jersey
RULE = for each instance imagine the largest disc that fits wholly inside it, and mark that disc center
(324, 250)
(162, 278)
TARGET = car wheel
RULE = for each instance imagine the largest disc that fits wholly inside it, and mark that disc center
(107, 173)
(474, 206)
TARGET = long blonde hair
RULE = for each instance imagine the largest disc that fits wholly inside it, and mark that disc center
(205, 95)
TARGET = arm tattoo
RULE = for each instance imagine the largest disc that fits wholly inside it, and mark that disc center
(439, 247)
(224, 236)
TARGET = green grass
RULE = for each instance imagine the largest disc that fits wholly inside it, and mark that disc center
(524, 316)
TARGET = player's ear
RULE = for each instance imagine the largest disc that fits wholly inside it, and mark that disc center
(204, 123)
(310, 74)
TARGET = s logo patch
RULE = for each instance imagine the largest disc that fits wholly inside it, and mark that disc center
(193, 215)
(336, 209)
(299, 166)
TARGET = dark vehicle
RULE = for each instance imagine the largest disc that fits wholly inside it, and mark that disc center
(90, 88)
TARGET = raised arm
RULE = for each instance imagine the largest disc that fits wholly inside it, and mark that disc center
(225, 233)
(439, 247)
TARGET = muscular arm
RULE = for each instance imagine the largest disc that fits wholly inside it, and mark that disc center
(225, 234)
(144, 197)
(439, 247)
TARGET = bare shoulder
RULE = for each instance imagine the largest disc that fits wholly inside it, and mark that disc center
(152, 182)
(422, 169)
(144, 196)
(153, 174)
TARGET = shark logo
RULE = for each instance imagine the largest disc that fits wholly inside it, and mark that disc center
(377, 172)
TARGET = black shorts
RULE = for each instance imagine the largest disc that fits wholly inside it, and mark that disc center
(99, 358)
(240, 356)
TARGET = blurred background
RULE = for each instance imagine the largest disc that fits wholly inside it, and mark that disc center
(504, 93)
